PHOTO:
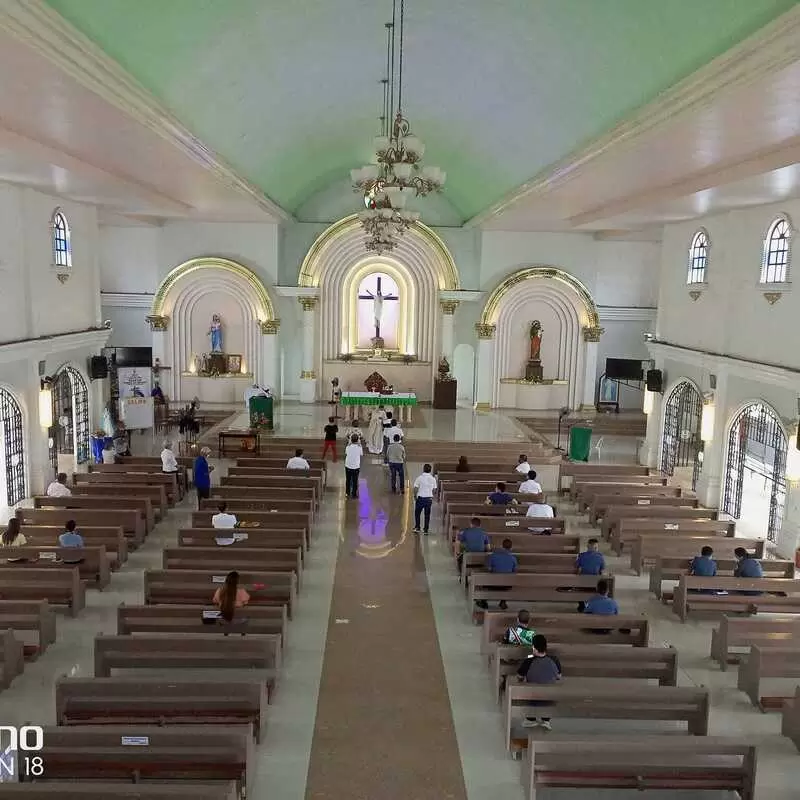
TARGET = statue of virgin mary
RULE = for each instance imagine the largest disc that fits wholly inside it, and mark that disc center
(215, 332)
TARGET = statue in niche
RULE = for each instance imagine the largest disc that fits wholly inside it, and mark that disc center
(215, 332)
(536, 340)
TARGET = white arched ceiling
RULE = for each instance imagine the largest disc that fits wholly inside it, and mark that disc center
(562, 339)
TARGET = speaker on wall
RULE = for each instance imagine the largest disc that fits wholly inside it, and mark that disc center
(655, 381)
(98, 368)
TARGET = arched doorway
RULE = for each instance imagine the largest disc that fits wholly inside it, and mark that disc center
(70, 432)
(681, 445)
(12, 451)
(755, 480)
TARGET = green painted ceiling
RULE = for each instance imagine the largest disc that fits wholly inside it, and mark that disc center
(287, 92)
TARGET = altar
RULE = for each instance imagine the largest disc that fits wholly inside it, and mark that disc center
(354, 403)
(547, 395)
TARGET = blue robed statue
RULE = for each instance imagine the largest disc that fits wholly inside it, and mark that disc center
(215, 332)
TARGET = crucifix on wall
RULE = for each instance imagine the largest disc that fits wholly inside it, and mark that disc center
(378, 297)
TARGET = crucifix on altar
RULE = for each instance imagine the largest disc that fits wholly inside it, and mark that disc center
(378, 324)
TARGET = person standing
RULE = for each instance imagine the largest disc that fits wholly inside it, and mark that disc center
(352, 466)
(169, 465)
(424, 487)
(388, 425)
(396, 454)
(202, 475)
(331, 432)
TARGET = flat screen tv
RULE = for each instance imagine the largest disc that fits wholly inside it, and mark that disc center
(624, 369)
(132, 356)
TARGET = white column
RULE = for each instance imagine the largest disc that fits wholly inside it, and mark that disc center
(591, 337)
(709, 484)
(788, 539)
(308, 375)
(37, 452)
(651, 444)
(448, 308)
(170, 379)
(485, 367)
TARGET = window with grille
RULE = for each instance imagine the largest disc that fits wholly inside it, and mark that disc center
(62, 250)
(698, 258)
(775, 265)
(12, 450)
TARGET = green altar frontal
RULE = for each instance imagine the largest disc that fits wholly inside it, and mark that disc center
(354, 402)
(260, 409)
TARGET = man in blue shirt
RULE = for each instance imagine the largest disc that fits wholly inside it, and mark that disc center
(601, 603)
(704, 565)
(71, 538)
(202, 475)
(503, 561)
(473, 539)
(590, 561)
(500, 497)
(747, 567)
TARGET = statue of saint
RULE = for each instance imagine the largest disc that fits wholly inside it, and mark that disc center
(215, 332)
(536, 340)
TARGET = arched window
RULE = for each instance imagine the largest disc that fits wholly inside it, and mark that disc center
(698, 258)
(681, 444)
(62, 249)
(777, 248)
(12, 451)
(70, 433)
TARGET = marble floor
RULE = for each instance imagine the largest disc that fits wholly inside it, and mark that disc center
(382, 692)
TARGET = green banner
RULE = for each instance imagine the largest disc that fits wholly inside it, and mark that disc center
(388, 400)
(580, 443)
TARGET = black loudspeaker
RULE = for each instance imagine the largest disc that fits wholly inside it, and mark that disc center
(655, 381)
(98, 368)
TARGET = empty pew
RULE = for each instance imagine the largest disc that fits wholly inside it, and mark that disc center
(738, 634)
(94, 568)
(29, 616)
(617, 508)
(234, 558)
(242, 505)
(156, 494)
(193, 587)
(691, 763)
(260, 519)
(627, 530)
(115, 502)
(230, 492)
(110, 538)
(131, 521)
(255, 621)
(320, 476)
(645, 549)
(668, 568)
(60, 586)
(245, 538)
(156, 701)
(790, 724)
(571, 699)
(596, 497)
(269, 478)
(583, 487)
(12, 658)
(772, 663)
(778, 595)
(167, 482)
(174, 484)
(100, 790)
(568, 470)
(143, 753)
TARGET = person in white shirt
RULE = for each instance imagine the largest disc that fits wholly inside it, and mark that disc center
(297, 461)
(109, 454)
(540, 511)
(59, 488)
(523, 466)
(223, 519)
(424, 487)
(352, 465)
(531, 485)
(169, 463)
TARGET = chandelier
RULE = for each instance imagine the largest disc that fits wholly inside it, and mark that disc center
(397, 172)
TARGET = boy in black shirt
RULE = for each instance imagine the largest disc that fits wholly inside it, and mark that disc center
(331, 429)
(541, 668)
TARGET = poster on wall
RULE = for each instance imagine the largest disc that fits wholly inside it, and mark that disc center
(136, 412)
(135, 402)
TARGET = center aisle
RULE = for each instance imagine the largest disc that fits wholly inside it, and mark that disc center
(384, 726)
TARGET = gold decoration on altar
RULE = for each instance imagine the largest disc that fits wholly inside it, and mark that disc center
(449, 306)
(772, 297)
(157, 322)
(308, 303)
(485, 331)
(269, 326)
(592, 333)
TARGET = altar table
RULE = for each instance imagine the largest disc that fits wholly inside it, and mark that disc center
(354, 402)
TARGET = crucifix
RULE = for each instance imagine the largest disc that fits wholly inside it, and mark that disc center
(377, 304)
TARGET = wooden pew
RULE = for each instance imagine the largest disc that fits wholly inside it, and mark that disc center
(280, 461)
(779, 595)
(159, 701)
(591, 485)
(620, 508)
(176, 486)
(716, 764)
(167, 482)
(12, 658)
(59, 586)
(264, 519)
(593, 661)
(115, 502)
(645, 549)
(255, 621)
(790, 724)
(24, 616)
(771, 663)
(571, 699)
(94, 570)
(111, 538)
(130, 521)
(193, 587)
(527, 542)
(513, 523)
(668, 568)
(579, 469)
(627, 530)
(629, 629)
(255, 537)
(556, 563)
(234, 558)
(259, 476)
(535, 588)
(157, 494)
(595, 495)
(238, 505)
(100, 790)
(279, 471)
(207, 753)
(736, 634)
(231, 491)
(466, 511)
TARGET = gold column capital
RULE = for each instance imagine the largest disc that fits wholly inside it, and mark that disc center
(592, 333)
(485, 331)
(449, 306)
(308, 375)
(157, 322)
(308, 303)
(269, 326)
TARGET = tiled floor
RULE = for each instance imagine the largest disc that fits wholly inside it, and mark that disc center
(368, 744)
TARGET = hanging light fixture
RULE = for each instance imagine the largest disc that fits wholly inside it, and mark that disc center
(397, 171)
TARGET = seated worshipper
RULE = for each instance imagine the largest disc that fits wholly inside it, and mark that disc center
(503, 561)
(59, 488)
(223, 519)
(109, 453)
(520, 632)
(590, 561)
(530, 485)
(463, 464)
(396, 454)
(230, 596)
(500, 497)
(202, 475)
(297, 461)
(747, 566)
(540, 668)
(703, 566)
(540, 510)
(472, 540)
(71, 538)
(13, 537)
(600, 604)
(523, 466)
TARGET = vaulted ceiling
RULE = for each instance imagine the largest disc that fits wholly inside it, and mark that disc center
(287, 91)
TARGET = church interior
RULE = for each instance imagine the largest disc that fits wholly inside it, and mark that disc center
(413, 245)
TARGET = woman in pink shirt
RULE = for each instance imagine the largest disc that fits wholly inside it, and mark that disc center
(230, 596)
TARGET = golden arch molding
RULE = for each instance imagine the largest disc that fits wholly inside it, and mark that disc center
(312, 267)
(266, 311)
(491, 310)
